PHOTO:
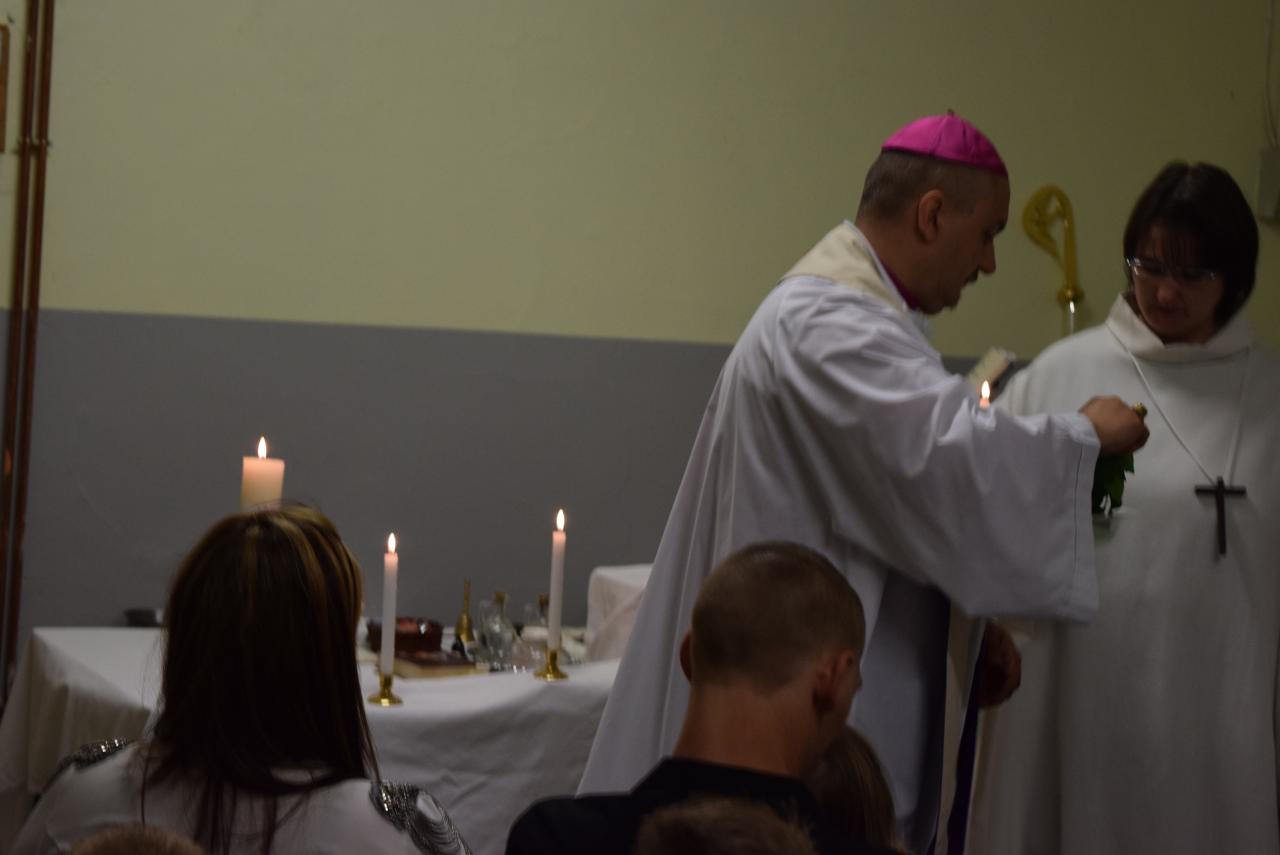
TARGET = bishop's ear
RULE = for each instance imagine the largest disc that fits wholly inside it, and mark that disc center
(928, 211)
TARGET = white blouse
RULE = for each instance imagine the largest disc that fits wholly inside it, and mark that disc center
(100, 787)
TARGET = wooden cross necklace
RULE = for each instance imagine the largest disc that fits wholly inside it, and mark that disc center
(1218, 487)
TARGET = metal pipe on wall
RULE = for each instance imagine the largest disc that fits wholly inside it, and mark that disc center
(24, 311)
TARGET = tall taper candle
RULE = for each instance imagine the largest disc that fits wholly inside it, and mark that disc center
(557, 584)
(390, 569)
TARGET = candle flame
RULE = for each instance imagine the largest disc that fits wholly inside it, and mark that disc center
(986, 391)
(560, 520)
(262, 447)
(391, 542)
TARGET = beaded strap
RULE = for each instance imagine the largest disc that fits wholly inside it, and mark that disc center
(418, 813)
(88, 755)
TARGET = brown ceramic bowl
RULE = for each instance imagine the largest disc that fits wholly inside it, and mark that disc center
(413, 635)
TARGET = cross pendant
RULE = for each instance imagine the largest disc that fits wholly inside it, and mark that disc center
(1220, 490)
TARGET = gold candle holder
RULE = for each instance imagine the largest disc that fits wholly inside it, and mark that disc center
(551, 671)
(384, 697)
(462, 629)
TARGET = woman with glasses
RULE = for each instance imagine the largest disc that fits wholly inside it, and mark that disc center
(1155, 728)
(261, 744)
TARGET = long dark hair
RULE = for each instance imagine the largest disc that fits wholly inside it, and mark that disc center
(260, 673)
(1209, 224)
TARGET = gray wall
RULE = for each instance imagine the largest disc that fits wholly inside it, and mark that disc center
(464, 444)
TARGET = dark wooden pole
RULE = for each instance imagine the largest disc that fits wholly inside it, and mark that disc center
(19, 460)
(17, 323)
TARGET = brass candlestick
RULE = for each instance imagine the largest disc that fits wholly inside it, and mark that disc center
(462, 629)
(384, 697)
(551, 671)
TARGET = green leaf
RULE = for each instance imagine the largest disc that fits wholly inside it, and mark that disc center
(1108, 481)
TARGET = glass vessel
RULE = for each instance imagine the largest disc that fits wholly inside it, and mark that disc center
(498, 635)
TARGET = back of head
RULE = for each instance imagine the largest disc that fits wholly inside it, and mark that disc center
(136, 840)
(720, 827)
(259, 671)
(1207, 223)
(850, 786)
(897, 180)
(767, 610)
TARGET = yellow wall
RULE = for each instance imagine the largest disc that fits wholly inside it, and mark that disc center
(597, 167)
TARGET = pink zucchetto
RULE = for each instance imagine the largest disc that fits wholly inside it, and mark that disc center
(949, 138)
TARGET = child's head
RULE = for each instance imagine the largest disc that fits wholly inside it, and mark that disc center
(136, 840)
(851, 788)
(720, 826)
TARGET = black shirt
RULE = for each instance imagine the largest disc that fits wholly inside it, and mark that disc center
(608, 823)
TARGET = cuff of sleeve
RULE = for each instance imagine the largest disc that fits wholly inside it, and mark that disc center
(1082, 589)
(1081, 430)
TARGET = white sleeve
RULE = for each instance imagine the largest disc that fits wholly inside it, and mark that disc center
(991, 508)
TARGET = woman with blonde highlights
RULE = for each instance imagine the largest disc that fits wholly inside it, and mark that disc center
(261, 744)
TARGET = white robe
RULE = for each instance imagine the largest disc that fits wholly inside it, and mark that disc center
(1154, 729)
(834, 424)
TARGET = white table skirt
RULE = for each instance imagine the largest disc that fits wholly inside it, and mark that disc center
(613, 598)
(486, 746)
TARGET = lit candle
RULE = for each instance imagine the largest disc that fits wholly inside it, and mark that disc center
(390, 569)
(986, 395)
(261, 479)
(557, 584)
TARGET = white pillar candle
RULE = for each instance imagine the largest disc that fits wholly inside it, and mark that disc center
(986, 395)
(261, 479)
(557, 584)
(390, 569)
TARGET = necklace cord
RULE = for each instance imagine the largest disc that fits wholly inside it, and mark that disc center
(1235, 441)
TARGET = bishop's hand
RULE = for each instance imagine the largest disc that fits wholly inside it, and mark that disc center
(1120, 429)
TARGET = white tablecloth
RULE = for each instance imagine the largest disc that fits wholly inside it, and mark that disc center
(486, 746)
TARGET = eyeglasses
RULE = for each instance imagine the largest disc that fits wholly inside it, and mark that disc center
(1147, 270)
